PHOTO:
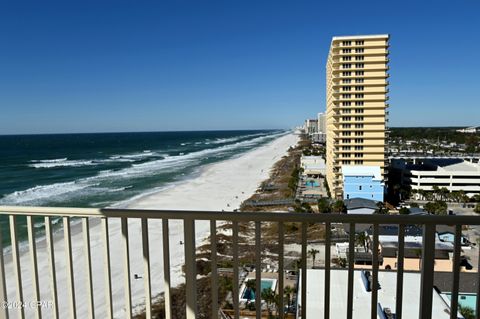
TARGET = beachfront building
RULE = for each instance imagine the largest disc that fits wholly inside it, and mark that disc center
(454, 174)
(311, 126)
(313, 166)
(322, 123)
(357, 88)
(362, 182)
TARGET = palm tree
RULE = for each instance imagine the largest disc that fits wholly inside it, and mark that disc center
(443, 192)
(435, 191)
(339, 207)
(269, 297)
(288, 292)
(381, 209)
(362, 239)
(313, 252)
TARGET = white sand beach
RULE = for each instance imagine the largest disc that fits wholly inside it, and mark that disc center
(220, 186)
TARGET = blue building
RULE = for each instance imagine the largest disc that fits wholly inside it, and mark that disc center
(362, 182)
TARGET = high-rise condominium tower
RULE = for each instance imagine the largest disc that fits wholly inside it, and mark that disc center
(357, 88)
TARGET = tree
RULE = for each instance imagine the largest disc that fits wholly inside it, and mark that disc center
(269, 297)
(443, 193)
(339, 207)
(324, 206)
(466, 312)
(362, 239)
(313, 252)
(381, 209)
(288, 292)
(436, 207)
(477, 208)
(435, 191)
(404, 211)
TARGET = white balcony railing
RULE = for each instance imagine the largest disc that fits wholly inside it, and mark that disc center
(189, 220)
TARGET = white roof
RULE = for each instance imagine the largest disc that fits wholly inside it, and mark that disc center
(361, 170)
(460, 167)
(362, 298)
(353, 37)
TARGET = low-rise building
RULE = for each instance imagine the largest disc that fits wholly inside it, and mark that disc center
(313, 166)
(362, 182)
(388, 248)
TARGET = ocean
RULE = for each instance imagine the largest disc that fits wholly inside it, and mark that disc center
(104, 169)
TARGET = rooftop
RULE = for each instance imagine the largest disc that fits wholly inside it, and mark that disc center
(362, 170)
(355, 203)
(362, 298)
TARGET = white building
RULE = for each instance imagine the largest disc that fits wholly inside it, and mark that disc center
(362, 297)
(468, 130)
(453, 174)
(322, 123)
(311, 126)
(312, 165)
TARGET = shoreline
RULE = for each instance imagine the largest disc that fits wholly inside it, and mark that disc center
(219, 186)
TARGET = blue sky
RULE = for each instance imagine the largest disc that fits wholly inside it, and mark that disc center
(93, 66)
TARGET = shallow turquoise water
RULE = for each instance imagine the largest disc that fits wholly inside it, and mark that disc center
(264, 284)
(465, 300)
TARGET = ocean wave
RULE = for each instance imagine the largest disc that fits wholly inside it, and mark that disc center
(62, 163)
(236, 138)
(93, 185)
(118, 158)
(40, 193)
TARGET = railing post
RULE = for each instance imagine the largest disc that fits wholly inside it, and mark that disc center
(51, 261)
(107, 269)
(374, 303)
(88, 266)
(3, 286)
(166, 268)
(428, 260)
(401, 252)
(456, 272)
(190, 268)
(16, 263)
(146, 270)
(33, 260)
(280, 268)
(258, 270)
(69, 266)
(328, 234)
(214, 272)
(235, 293)
(126, 268)
(304, 271)
(351, 261)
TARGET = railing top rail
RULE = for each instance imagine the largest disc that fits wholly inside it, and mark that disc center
(237, 216)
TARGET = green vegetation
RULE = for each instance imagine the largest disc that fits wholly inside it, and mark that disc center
(436, 207)
(313, 252)
(339, 207)
(427, 137)
(477, 208)
(404, 211)
(381, 209)
(466, 312)
(324, 206)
